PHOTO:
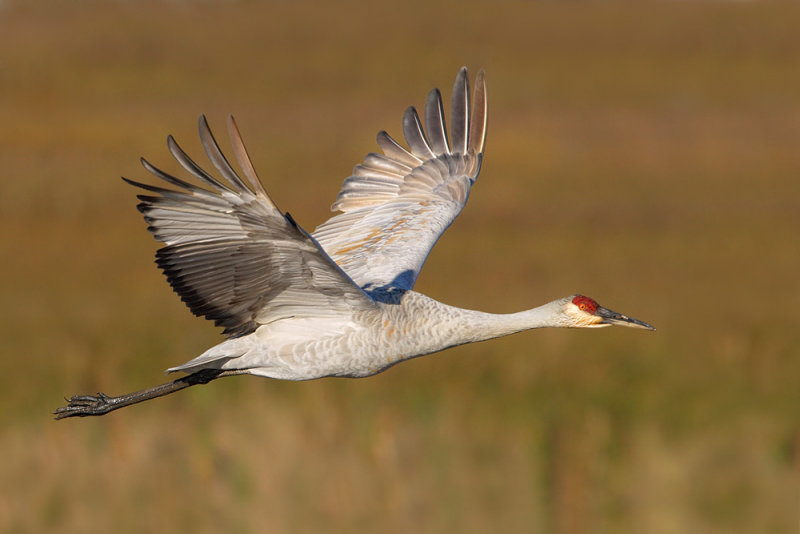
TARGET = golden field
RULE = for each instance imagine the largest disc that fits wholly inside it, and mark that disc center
(644, 153)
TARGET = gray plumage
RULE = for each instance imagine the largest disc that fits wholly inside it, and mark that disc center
(339, 301)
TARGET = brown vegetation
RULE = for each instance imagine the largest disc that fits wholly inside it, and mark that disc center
(643, 153)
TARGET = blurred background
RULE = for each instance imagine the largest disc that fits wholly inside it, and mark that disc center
(643, 153)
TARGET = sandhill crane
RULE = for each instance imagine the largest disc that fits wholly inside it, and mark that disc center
(338, 301)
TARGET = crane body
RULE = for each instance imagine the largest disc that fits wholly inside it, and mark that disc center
(349, 347)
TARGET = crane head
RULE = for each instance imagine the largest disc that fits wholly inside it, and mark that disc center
(585, 312)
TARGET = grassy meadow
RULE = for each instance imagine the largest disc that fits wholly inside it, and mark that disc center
(644, 153)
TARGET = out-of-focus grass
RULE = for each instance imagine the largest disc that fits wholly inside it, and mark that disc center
(643, 153)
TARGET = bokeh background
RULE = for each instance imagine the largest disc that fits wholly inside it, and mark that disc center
(644, 153)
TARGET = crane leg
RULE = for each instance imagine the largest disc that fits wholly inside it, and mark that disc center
(101, 404)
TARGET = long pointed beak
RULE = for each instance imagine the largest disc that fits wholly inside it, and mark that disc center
(612, 317)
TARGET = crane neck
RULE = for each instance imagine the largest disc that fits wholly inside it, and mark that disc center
(437, 326)
(492, 325)
(442, 326)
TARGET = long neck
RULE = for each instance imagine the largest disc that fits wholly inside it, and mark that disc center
(490, 325)
(430, 326)
(439, 326)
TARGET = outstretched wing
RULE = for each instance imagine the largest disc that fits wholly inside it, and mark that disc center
(231, 255)
(397, 204)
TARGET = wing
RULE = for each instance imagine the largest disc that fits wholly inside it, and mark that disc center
(231, 255)
(397, 204)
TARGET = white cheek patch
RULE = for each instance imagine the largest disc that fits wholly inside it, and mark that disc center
(582, 319)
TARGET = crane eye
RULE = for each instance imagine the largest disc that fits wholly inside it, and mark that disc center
(585, 304)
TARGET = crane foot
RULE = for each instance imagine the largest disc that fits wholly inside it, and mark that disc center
(85, 405)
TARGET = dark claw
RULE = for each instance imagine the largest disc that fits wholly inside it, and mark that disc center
(85, 405)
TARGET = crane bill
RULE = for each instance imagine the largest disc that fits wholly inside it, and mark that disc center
(613, 318)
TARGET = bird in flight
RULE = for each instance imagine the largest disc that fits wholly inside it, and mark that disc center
(338, 301)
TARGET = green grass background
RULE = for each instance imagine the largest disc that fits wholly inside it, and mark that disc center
(644, 153)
